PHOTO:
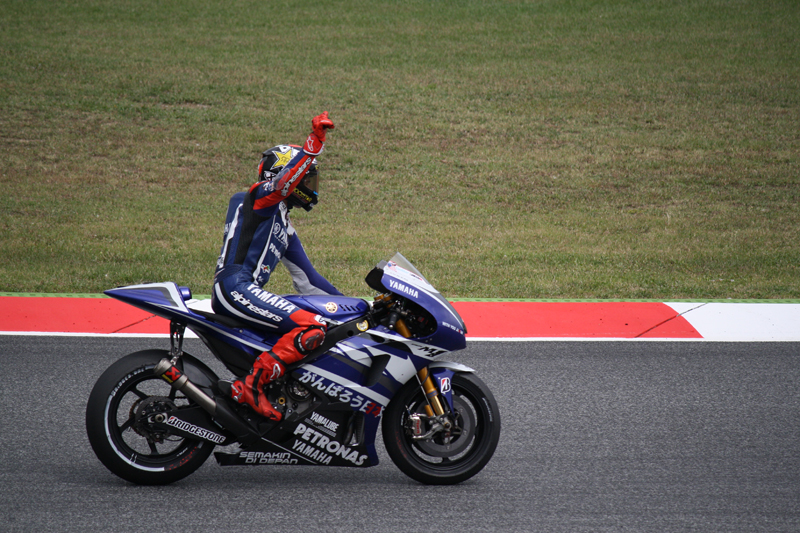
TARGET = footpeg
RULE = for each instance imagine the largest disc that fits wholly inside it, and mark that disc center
(224, 386)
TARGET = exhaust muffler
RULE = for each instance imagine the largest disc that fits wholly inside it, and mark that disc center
(172, 375)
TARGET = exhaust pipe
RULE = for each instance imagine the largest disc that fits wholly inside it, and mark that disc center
(219, 411)
(170, 373)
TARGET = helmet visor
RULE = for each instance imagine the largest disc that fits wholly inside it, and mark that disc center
(311, 180)
(305, 194)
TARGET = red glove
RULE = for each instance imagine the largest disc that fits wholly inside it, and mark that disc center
(319, 125)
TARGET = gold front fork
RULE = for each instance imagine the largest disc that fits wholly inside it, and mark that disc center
(402, 329)
(434, 405)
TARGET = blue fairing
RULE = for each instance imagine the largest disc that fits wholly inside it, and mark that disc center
(400, 277)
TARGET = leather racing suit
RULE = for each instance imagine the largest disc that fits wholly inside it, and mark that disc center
(259, 234)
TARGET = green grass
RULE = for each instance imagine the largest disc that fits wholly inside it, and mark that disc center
(549, 149)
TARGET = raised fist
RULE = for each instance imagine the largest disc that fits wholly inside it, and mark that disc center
(320, 124)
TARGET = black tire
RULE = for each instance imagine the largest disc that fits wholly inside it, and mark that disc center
(433, 462)
(125, 390)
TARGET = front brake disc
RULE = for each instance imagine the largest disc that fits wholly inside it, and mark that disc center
(461, 435)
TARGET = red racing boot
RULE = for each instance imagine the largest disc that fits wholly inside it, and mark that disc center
(250, 390)
(269, 366)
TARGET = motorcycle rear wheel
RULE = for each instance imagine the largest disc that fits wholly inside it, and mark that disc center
(435, 461)
(116, 424)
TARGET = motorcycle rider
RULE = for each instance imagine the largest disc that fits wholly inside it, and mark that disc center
(258, 234)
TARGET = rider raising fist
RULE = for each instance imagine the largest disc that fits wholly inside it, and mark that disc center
(258, 235)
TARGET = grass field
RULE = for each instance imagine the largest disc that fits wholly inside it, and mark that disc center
(541, 149)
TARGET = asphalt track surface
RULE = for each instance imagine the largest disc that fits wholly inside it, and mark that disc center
(600, 436)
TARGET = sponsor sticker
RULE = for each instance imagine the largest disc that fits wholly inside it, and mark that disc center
(195, 430)
(280, 233)
(242, 299)
(341, 393)
(399, 287)
(321, 421)
(267, 458)
(320, 448)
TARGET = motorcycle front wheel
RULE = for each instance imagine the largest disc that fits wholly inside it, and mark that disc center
(445, 458)
(126, 396)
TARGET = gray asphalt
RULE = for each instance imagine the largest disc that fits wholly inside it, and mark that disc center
(606, 436)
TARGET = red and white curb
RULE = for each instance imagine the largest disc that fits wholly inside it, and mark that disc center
(690, 321)
(486, 320)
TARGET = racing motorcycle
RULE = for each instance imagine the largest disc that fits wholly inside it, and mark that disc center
(155, 416)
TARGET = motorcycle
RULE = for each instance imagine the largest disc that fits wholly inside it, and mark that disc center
(155, 416)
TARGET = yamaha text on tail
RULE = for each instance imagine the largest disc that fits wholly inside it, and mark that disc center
(155, 416)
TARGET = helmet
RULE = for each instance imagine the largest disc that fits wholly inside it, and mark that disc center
(275, 159)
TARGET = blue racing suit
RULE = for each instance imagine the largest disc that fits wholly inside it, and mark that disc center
(258, 234)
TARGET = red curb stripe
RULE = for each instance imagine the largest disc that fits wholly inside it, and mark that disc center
(484, 319)
(71, 315)
(625, 320)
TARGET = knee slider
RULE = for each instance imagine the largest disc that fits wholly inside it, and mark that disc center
(309, 339)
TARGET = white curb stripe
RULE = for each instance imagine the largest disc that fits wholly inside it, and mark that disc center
(742, 321)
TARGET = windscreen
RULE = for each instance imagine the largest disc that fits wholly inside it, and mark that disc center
(405, 264)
